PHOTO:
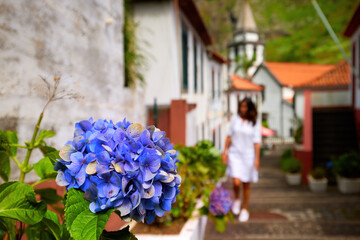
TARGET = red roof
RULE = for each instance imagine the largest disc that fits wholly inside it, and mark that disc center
(338, 76)
(296, 74)
(354, 23)
(242, 84)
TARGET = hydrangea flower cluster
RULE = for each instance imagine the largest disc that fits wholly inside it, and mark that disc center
(220, 202)
(123, 166)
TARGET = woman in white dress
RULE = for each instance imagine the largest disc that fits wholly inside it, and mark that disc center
(242, 154)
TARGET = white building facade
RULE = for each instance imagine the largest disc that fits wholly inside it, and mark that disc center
(180, 68)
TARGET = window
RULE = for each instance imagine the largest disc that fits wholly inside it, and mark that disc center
(212, 83)
(184, 41)
(195, 65)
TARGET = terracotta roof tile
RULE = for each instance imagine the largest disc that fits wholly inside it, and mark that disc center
(242, 84)
(296, 74)
(338, 76)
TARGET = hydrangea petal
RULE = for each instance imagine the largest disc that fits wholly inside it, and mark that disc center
(61, 179)
(165, 204)
(149, 193)
(91, 168)
(169, 192)
(66, 151)
(135, 129)
(125, 207)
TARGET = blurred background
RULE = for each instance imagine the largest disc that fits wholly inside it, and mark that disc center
(183, 65)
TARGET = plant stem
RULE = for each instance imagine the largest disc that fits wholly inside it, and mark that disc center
(16, 161)
(25, 163)
(18, 145)
(41, 181)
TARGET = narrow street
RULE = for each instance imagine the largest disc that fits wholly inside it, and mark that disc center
(279, 211)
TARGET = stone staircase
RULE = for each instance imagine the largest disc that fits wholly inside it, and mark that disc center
(279, 211)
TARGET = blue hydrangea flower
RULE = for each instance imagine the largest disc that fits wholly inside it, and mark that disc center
(220, 202)
(123, 166)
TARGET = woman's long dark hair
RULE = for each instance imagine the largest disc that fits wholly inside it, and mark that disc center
(251, 113)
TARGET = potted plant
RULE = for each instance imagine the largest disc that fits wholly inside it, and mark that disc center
(347, 171)
(317, 180)
(217, 207)
(292, 169)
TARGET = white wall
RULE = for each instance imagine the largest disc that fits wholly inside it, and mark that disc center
(272, 101)
(82, 41)
(299, 102)
(288, 117)
(330, 98)
(159, 42)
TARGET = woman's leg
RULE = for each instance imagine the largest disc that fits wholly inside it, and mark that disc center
(246, 195)
(236, 186)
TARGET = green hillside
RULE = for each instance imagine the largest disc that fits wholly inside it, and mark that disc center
(291, 28)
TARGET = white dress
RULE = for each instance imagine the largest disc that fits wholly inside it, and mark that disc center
(242, 151)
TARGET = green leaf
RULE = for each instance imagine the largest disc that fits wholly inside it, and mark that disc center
(53, 156)
(65, 235)
(80, 221)
(45, 149)
(12, 138)
(51, 221)
(42, 135)
(48, 195)
(123, 234)
(88, 225)
(204, 210)
(7, 225)
(5, 166)
(44, 168)
(17, 201)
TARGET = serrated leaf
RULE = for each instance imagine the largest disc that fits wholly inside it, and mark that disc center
(12, 138)
(80, 221)
(44, 134)
(17, 201)
(4, 166)
(75, 204)
(44, 168)
(51, 221)
(48, 195)
(88, 225)
(7, 225)
(123, 234)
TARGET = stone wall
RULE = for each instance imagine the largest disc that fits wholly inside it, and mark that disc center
(81, 40)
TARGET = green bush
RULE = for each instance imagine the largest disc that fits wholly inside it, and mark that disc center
(318, 173)
(291, 165)
(347, 165)
(200, 168)
(288, 153)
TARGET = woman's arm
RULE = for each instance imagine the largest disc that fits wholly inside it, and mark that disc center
(257, 155)
(225, 157)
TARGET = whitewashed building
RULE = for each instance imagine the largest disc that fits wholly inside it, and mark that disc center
(186, 80)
